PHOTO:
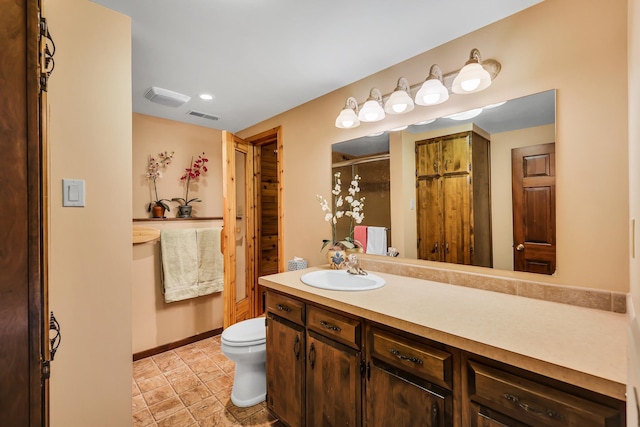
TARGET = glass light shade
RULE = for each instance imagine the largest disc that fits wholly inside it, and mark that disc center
(347, 119)
(371, 111)
(469, 114)
(432, 92)
(472, 78)
(399, 102)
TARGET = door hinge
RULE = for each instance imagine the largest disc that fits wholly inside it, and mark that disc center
(47, 50)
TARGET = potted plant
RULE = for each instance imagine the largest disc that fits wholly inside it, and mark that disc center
(354, 210)
(192, 173)
(158, 206)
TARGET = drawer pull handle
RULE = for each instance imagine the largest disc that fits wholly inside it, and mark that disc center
(283, 308)
(548, 412)
(296, 347)
(327, 325)
(312, 355)
(401, 356)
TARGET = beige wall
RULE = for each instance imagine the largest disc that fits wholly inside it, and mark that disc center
(152, 135)
(559, 44)
(155, 322)
(90, 247)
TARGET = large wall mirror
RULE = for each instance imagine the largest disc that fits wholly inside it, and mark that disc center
(476, 188)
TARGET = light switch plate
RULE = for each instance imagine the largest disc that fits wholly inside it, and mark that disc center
(73, 192)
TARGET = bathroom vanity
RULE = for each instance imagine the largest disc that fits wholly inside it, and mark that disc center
(422, 353)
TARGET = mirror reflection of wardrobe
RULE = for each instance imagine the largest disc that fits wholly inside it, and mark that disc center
(453, 199)
(374, 187)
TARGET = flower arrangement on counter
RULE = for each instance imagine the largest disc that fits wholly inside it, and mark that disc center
(154, 171)
(348, 206)
(197, 168)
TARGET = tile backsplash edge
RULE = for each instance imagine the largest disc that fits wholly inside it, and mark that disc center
(590, 298)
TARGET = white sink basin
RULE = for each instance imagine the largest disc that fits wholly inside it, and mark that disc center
(340, 280)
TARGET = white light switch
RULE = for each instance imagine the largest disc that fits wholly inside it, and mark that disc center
(73, 192)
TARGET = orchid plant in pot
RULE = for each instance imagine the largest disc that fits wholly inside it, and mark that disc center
(349, 206)
(158, 206)
(192, 173)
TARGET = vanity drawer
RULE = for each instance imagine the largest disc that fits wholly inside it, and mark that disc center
(411, 356)
(334, 325)
(286, 307)
(535, 403)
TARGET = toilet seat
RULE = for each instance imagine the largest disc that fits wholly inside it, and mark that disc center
(246, 333)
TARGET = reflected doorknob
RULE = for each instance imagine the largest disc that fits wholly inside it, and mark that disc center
(520, 247)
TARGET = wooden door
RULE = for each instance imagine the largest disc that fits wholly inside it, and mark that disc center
(395, 401)
(485, 417)
(285, 370)
(429, 214)
(534, 208)
(239, 229)
(458, 237)
(22, 295)
(333, 383)
(428, 158)
(268, 153)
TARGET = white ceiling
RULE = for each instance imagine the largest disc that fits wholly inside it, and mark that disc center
(260, 58)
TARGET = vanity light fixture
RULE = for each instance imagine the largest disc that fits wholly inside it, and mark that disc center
(433, 91)
(475, 76)
(399, 128)
(348, 117)
(372, 110)
(400, 100)
(472, 77)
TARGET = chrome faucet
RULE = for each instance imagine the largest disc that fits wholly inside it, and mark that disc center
(353, 265)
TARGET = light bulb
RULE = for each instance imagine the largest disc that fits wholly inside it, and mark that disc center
(399, 108)
(471, 84)
(431, 98)
(347, 123)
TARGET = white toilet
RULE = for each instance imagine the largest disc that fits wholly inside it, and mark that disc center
(245, 344)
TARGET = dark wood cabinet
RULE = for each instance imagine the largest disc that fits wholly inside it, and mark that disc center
(501, 395)
(333, 383)
(408, 382)
(453, 199)
(286, 344)
(330, 368)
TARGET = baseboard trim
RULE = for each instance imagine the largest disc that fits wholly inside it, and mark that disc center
(176, 344)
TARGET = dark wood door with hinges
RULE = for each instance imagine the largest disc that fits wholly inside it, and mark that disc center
(534, 208)
(22, 397)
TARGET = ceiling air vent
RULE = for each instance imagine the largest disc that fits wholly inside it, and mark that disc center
(166, 97)
(203, 115)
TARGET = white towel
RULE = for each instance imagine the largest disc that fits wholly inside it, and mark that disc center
(377, 240)
(179, 264)
(210, 261)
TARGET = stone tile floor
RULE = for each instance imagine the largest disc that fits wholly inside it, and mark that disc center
(191, 386)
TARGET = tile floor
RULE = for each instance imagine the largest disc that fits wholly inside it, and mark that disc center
(191, 386)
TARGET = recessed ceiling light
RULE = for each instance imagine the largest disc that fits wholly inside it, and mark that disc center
(206, 97)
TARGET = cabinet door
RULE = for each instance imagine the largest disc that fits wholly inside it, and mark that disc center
(456, 155)
(428, 158)
(285, 370)
(333, 383)
(458, 235)
(429, 217)
(395, 401)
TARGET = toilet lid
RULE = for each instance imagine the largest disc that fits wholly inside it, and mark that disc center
(247, 332)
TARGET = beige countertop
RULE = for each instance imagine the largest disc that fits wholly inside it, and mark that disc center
(580, 346)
